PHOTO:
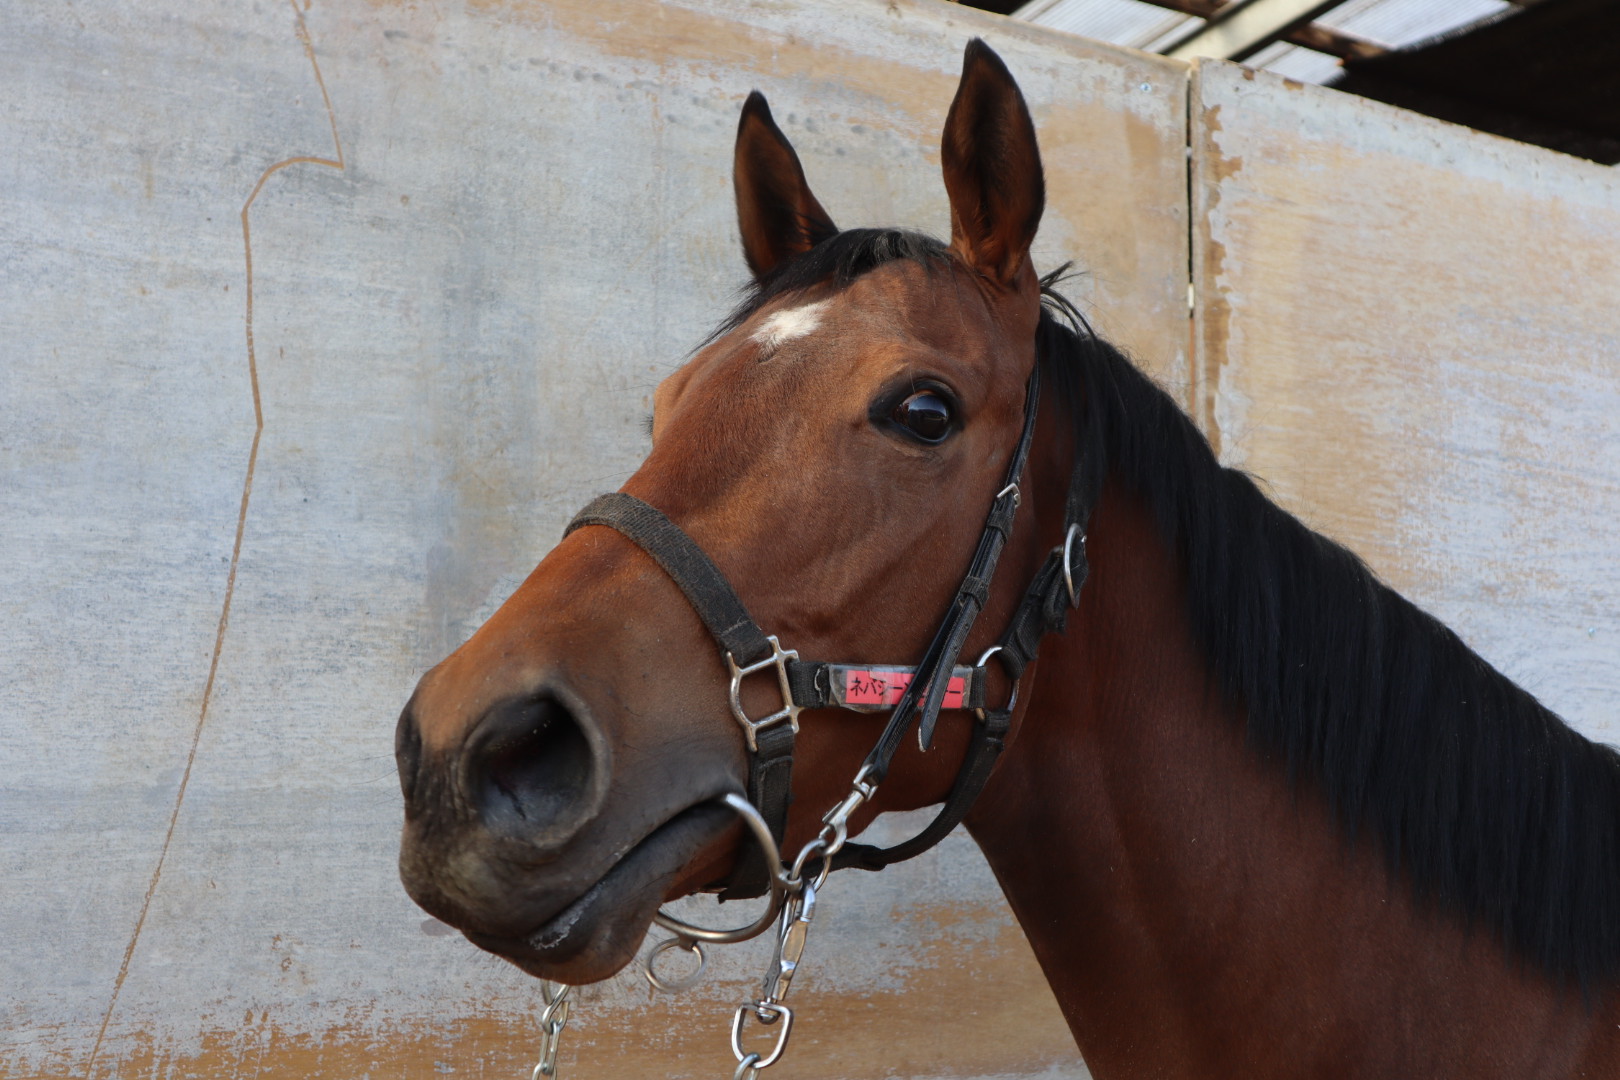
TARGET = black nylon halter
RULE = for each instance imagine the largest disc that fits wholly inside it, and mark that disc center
(742, 642)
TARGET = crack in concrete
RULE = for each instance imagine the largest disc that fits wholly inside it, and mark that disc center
(337, 162)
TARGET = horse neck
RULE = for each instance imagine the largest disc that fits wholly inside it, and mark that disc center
(1192, 909)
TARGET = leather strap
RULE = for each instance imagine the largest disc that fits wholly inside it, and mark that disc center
(965, 607)
(989, 735)
(706, 588)
(1043, 610)
(770, 789)
(770, 766)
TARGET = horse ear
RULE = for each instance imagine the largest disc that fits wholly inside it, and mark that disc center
(992, 168)
(778, 216)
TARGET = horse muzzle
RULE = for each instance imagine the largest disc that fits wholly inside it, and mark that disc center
(508, 835)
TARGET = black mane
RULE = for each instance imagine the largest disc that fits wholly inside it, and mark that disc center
(1490, 804)
(1486, 801)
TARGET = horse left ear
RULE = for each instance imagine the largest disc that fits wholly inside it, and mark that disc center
(992, 168)
(776, 213)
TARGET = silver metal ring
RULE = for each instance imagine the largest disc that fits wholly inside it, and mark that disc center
(984, 657)
(650, 965)
(819, 849)
(1068, 573)
(773, 863)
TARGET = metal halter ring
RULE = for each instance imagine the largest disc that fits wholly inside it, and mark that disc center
(685, 931)
(819, 848)
(671, 986)
(1068, 572)
(1012, 701)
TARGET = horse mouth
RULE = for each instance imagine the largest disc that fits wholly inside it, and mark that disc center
(599, 932)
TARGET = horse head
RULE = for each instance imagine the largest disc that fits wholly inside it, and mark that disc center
(834, 449)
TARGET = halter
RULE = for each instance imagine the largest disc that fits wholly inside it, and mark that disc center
(916, 693)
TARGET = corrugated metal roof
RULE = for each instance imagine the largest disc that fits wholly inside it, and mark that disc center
(1120, 22)
(1388, 23)
(1397, 23)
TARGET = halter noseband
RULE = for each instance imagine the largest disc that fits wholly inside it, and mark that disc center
(916, 692)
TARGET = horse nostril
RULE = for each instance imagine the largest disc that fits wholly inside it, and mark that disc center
(529, 769)
(408, 751)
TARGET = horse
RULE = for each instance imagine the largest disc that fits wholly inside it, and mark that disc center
(1257, 814)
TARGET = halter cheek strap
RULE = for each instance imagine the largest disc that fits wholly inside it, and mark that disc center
(916, 693)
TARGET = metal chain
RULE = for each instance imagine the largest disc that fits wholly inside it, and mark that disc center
(552, 1022)
(797, 888)
(793, 931)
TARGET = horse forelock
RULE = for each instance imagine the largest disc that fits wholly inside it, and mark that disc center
(838, 261)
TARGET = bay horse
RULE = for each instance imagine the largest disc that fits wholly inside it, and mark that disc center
(1258, 815)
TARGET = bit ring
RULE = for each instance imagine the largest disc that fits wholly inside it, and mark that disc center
(685, 931)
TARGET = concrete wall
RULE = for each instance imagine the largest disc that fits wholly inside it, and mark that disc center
(1411, 332)
(318, 321)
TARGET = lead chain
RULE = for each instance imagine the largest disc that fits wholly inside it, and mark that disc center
(552, 1022)
(793, 932)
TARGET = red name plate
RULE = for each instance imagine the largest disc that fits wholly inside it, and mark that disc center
(884, 686)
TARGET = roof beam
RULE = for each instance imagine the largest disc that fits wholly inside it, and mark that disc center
(1244, 27)
(1201, 8)
(1315, 36)
(1325, 39)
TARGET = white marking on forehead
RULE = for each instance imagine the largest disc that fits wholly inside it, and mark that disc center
(786, 325)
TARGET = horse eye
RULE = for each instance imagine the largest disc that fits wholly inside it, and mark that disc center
(926, 415)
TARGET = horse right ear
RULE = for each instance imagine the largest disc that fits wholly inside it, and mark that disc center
(992, 168)
(776, 213)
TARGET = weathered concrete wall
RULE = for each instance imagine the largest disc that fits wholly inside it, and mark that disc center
(238, 522)
(1411, 332)
(316, 323)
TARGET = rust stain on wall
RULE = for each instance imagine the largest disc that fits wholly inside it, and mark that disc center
(1212, 308)
(990, 1015)
(1115, 202)
(667, 33)
(1128, 215)
(1407, 334)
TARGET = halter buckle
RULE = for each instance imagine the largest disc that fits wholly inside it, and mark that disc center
(789, 711)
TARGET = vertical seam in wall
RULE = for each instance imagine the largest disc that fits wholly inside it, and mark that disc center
(241, 526)
(1194, 373)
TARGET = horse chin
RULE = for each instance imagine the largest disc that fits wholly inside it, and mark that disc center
(599, 933)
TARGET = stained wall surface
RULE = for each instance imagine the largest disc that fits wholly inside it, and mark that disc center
(316, 322)
(1408, 331)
